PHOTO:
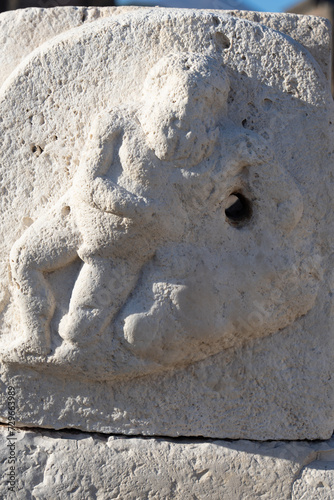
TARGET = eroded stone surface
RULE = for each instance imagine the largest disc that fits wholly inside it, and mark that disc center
(67, 465)
(166, 261)
(25, 30)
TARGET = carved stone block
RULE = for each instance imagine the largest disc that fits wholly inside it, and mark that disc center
(166, 224)
(76, 465)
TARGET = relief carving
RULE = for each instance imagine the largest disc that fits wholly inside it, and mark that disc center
(167, 224)
(182, 220)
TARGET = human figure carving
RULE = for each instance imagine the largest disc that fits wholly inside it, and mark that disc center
(114, 217)
(171, 190)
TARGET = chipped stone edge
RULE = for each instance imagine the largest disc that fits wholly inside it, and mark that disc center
(312, 32)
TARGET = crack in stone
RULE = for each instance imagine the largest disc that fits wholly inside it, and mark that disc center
(105, 436)
(314, 456)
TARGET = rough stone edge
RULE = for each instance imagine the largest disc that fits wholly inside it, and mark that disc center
(314, 33)
(316, 40)
(178, 464)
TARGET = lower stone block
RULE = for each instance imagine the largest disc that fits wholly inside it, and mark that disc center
(74, 465)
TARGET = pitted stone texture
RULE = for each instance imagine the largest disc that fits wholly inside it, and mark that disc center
(24, 30)
(67, 465)
(166, 217)
(316, 481)
(314, 33)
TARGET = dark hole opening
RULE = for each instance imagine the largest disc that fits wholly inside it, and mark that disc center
(239, 209)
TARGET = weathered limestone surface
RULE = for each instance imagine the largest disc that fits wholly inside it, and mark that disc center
(24, 30)
(165, 254)
(166, 224)
(76, 466)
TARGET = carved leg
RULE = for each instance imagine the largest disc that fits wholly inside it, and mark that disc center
(101, 289)
(48, 244)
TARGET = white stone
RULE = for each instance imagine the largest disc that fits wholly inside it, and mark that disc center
(134, 298)
(24, 30)
(76, 466)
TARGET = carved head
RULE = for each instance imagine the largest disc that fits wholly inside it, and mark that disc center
(184, 95)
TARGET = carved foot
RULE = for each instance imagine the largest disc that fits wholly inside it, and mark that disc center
(83, 327)
(24, 351)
